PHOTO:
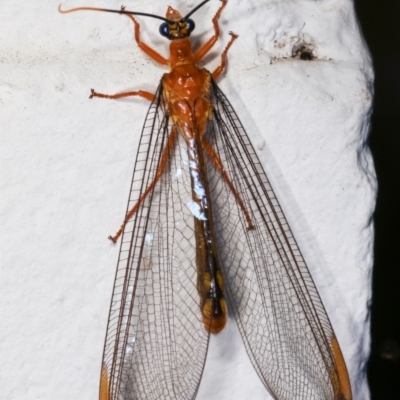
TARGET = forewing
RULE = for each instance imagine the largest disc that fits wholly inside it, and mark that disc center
(280, 315)
(156, 344)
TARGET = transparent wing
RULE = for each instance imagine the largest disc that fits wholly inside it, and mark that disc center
(283, 323)
(156, 344)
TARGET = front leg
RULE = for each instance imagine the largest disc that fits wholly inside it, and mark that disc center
(210, 43)
(157, 57)
(142, 93)
(148, 50)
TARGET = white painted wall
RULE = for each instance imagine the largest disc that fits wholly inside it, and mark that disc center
(66, 165)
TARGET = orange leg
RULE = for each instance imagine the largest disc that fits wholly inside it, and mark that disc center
(219, 69)
(157, 57)
(210, 43)
(142, 93)
(148, 50)
(160, 170)
(218, 164)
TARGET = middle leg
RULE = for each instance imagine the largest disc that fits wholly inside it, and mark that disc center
(218, 71)
(142, 93)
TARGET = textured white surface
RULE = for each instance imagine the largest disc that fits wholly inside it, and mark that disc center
(66, 165)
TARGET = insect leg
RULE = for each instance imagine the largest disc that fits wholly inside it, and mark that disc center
(200, 53)
(218, 164)
(157, 57)
(148, 50)
(219, 69)
(160, 170)
(142, 93)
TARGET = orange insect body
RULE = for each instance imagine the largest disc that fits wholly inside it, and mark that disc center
(186, 96)
(185, 92)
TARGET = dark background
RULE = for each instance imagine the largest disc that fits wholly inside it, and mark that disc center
(380, 24)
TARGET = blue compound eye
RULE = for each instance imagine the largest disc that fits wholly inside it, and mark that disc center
(164, 29)
(190, 24)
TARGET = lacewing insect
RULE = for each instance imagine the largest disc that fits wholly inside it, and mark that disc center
(203, 223)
